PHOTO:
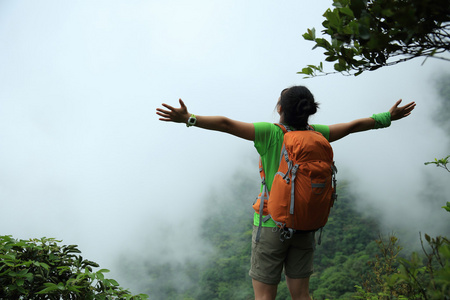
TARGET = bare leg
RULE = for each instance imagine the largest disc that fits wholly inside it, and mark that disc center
(299, 288)
(264, 291)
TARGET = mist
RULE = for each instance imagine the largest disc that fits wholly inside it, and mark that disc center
(84, 159)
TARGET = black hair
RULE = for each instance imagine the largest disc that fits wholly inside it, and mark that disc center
(297, 104)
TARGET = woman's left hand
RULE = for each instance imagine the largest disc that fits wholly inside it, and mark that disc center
(172, 114)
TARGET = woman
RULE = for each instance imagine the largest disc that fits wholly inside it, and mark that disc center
(269, 254)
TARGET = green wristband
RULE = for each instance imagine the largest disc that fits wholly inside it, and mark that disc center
(382, 120)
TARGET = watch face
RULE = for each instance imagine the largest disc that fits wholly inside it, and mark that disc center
(191, 120)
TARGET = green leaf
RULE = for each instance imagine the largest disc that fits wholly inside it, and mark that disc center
(44, 265)
(340, 66)
(22, 272)
(337, 4)
(100, 276)
(8, 256)
(447, 208)
(75, 289)
(307, 37)
(50, 288)
(12, 274)
(333, 18)
(307, 71)
(114, 282)
(322, 43)
(310, 35)
(347, 11)
(312, 32)
(103, 271)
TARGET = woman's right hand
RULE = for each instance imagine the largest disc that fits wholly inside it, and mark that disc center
(398, 113)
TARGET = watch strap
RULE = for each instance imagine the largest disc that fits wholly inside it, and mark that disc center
(191, 121)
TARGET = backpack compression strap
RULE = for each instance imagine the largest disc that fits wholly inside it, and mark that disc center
(262, 198)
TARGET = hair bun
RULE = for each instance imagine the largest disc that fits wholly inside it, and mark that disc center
(298, 104)
(306, 107)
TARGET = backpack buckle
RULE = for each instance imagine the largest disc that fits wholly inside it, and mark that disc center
(286, 233)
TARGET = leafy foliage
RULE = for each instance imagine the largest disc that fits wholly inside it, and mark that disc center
(443, 162)
(365, 35)
(42, 269)
(424, 276)
(375, 285)
(447, 207)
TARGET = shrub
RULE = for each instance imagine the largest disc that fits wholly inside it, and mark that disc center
(43, 269)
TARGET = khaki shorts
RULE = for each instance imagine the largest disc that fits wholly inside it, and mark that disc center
(270, 255)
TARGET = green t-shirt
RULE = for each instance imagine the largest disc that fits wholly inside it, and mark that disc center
(268, 143)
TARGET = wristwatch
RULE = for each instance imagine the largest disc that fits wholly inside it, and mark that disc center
(191, 121)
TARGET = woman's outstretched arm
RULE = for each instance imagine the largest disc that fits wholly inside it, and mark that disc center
(338, 131)
(218, 123)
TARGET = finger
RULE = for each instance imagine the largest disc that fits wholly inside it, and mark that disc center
(182, 103)
(410, 104)
(406, 114)
(168, 106)
(164, 119)
(398, 103)
(163, 111)
(409, 107)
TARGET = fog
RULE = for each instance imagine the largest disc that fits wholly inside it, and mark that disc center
(84, 159)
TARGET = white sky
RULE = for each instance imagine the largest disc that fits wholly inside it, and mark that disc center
(84, 159)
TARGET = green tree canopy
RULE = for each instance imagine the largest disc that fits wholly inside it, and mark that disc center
(364, 35)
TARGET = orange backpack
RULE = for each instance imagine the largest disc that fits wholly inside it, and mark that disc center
(304, 187)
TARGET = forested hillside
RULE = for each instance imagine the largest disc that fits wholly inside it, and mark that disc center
(348, 243)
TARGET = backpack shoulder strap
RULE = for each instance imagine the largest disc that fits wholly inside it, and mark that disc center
(283, 127)
(286, 128)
